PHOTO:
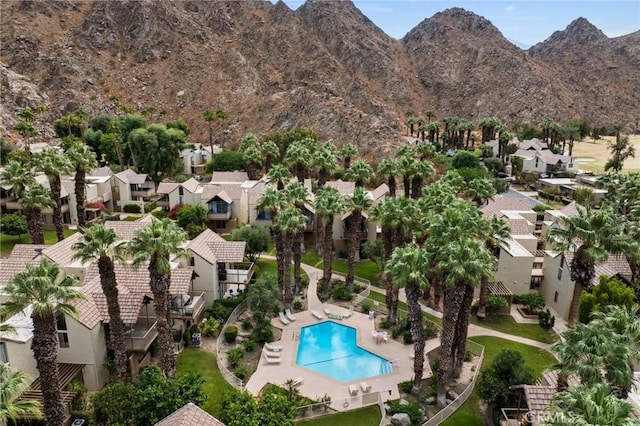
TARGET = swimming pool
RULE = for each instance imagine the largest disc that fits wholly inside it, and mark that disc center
(330, 349)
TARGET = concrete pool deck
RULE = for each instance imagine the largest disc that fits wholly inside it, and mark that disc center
(315, 385)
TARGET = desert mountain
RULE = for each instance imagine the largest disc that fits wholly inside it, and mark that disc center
(324, 66)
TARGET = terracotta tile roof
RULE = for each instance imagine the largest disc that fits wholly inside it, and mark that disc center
(190, 185)
(233, 192)
(167, 187)
(345, 188)
(550, 378)
(229, 177)
(500, 203)
(550, 158)
(615, 264)
(102, 171)
(538, 397)
(570, 209)
(190, 415)
(518, 226)
(88, 312)
(227, 251)
(9, 268)
(127, 230)
(129, 176)
(26, 251)
(62, 253)
(130, 305)
(535, 144)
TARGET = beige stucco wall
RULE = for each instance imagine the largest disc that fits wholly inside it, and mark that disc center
(207, 279)
(21, 357)
(514, 272)
(529, 242)
(550, 285)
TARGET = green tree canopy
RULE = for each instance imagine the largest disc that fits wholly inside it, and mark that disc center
(14, 224)
(226, 161)
(193, 219)
(507, 369)
(257, 238)
(609, 291)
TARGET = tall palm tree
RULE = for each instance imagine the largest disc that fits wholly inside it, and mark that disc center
(280, 175)
(101, 243)
(289, 222)
(272, 201)
(84, 160)
(325, 162)
(220, 115)
(406, 268)
(298, 158)
(27, 129)
(209, 116)
(360, 172)
(297, 195)
(389, 169)
(270, 152)
(590, 237)
(18, 175)
(34, 199)
(156, 243)
(421, 171)
(54, 164)
(12, 384)
(497, 233)
(357, 204)
(39, 286)
(585, 405)
(329, 203)
(347, 152)
(253, 159)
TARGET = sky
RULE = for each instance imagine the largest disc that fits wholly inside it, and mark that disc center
(523, 22)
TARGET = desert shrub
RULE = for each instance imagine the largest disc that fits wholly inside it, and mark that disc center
(230, 334)
(407, 338)
(131, 208)
(366, 307)
(210, 327)
(246, 324)
(235, 355)
(405, 386)
(414, 410)
(385, 324)
(402, 325)
(263, 332)
(249, 345)
(241, 373)
(298, 305)
(341, 292)
(150, 207)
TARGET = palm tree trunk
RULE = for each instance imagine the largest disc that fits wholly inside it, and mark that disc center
(45, 351)
(286, 262)
(391, 182)
(278, 242)
(116, 326)
(353, 246)
(416, 187)
(482, 303)
(407, 186)
(322, 178)
(160, 288)
(575, 303)
(80, 196)
(417, 333)
(57, 206)
(297, 259)
(34, 225)
(452, 302)
(462, 328)
(327, 256)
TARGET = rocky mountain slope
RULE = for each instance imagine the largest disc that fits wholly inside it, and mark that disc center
(324, 66)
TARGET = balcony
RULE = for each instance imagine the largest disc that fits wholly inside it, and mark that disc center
(13, 205)
(106, 196)
(140, 337)
(187, 306)
(164, 203)
(240, 273)
(219, 211)
(141, 192)
(5, 200)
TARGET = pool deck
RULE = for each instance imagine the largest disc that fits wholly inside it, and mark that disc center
(315, 385)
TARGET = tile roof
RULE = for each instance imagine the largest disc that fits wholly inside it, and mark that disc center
(167, 187)
(127, 230)
(345, 188)
(213, 248)
(518, 226)
(538, 397)
(550, 158)
(380, 191)
(615, 264)
(26, 251)
(570, 209)
(102, 171)
(535, 144)
(129, 176)
(62, 253)
(500, 203)
(190, 185)
(233, 192)
(129, 306)
(229, 177)
(190, 415)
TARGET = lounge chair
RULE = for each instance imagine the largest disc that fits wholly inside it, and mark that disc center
(353, 390)
(289, 315)
(271, 360)
(326, 309)
(270, 354)
(334, 316)
(273, 348)
(349, 313)
(283, 320)
(366, 387)
(317, 314)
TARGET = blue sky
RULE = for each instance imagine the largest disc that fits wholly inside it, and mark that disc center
(521, 21)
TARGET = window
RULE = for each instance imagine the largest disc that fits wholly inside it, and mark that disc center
(217, 207)
(555, 297)
(192, 261)
(264, 215)
(560, 268)
(63, 335)
(220, 224)
(3, 353)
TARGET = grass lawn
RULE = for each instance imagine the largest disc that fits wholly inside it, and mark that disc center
(204, 363)
(368, 416)
(131, 218)
(364, 269)
(8, 241)
(537, 359)
(506, 324)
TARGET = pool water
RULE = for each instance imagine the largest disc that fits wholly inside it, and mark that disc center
(330, 349)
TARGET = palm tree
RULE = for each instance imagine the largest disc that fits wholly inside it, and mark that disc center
(253, 159)
(406, 268)
(298, 157)
(221, 115)
(325, 162)
(585, 405)
(35, 199)
(12, 384)
(26, 129)
(39, 286)
(101, 243)
(272, 201)
(434, 132)
(156, 243)
(297, 194)
(280, 175)
(347, 152)
(420, 172)
(389, 169)
(209, 116)
(360, 172)
(289, 222)
(84, 160)
(358, 203)
(18, 175)
(270, 152)
(329, 203)
(497, 233)
(590, 237)
(54, 164)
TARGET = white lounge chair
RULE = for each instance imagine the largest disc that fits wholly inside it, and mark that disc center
(289, 315)
(283, 320)
(273, 348)
(353, 390)
(366, 387)
(317, 314)
(271, 360)
(270, 354)
(326, 309)
(349, 313)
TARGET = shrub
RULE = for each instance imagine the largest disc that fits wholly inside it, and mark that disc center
(246, 324)
(235, 355)
(230, 334)
(546, 320)
(341, 292)
(507, 369)
(430, 330)
(366, 307)
(149, 207)
(496, 302)
(406, 386)
(401, 326)
(532, 301)
(407, 338)
(186, 337)
(241, 373)
(131, 208)
(160, 214)
(298, 305)
(174, 211)
(249, 345)
(263, 332)
(79, 402)
(414, 410)
(385, 324)
(210, 327)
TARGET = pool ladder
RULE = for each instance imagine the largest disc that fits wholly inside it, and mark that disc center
(295, 335)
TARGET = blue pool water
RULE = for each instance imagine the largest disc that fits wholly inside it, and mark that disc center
(330, 349)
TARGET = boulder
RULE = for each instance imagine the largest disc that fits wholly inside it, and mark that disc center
(400, 419)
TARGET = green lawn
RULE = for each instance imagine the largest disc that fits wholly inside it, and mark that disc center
(8, 241)
(131, 218)
(204, 363)
(539, 360)
(364, 269)
(506, 324)
(368, 416)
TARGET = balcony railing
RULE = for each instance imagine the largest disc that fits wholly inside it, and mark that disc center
(140, 337)
(142, 192)
(219, 215)
(193, 309)
(163, 203)
(13, 205)
(4, 201)
(241, 273)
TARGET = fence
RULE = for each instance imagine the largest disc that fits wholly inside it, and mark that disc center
(361, 282)
(333, 406)
(228, 375)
